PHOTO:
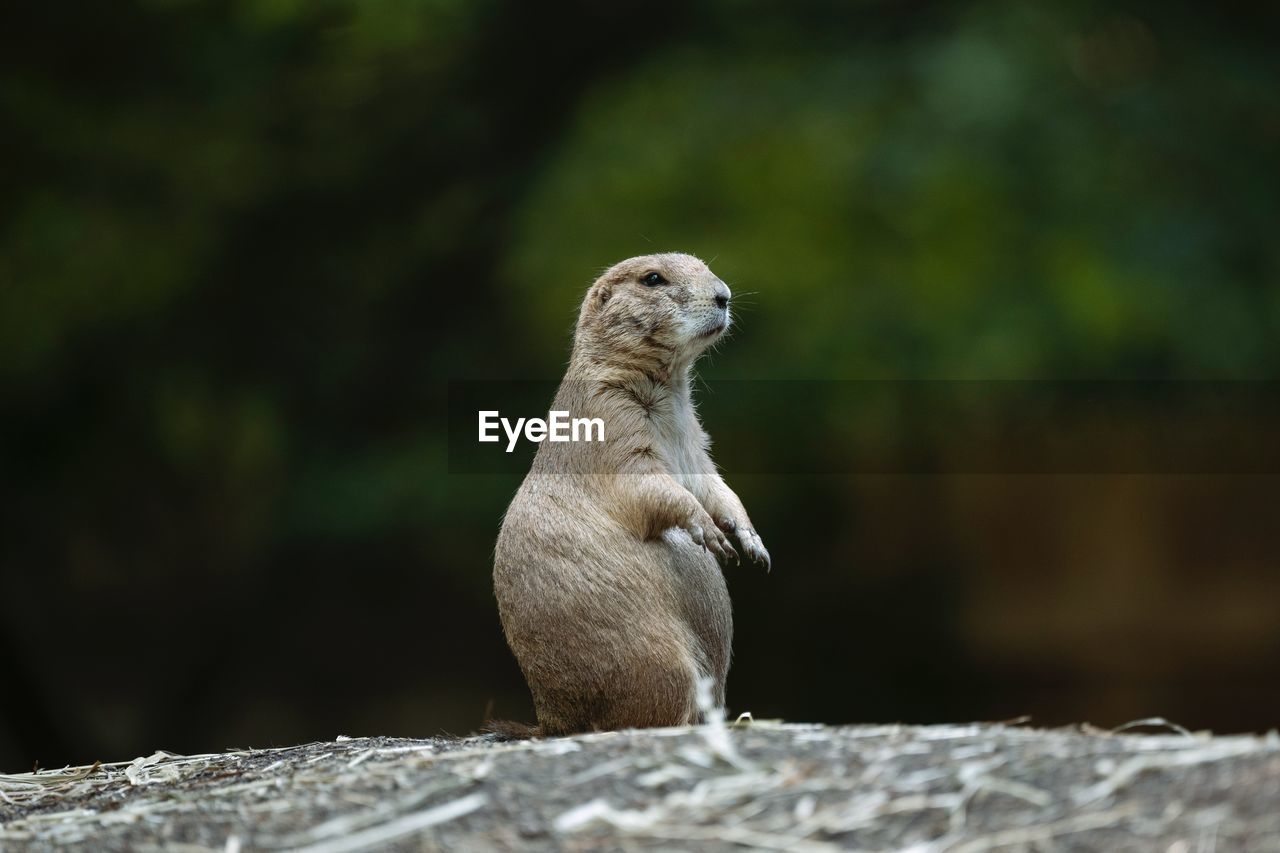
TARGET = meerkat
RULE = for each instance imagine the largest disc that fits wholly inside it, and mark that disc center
(607, 569)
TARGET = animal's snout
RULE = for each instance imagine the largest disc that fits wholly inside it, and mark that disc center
(722, 295)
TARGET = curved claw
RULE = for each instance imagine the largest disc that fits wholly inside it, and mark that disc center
(754, 546)
(717, 544)
(715, 541)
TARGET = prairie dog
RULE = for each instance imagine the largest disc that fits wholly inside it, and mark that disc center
(607, 567)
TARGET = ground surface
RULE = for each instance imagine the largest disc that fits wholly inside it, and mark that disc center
(765, 786)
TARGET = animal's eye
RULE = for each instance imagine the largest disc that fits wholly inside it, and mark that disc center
(653, 279)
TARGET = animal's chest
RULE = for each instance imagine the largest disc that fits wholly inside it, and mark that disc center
(678, 438)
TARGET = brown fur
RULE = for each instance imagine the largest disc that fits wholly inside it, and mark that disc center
(606, 569)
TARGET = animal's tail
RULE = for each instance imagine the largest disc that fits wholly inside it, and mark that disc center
(510, 730)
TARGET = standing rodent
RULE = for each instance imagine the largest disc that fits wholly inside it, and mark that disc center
(607, 568)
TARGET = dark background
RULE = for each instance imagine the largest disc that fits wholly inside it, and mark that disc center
(245, 247)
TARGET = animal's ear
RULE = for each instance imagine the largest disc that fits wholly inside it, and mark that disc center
(598, 296)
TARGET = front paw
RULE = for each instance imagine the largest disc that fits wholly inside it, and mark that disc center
(703, 531)
(752, 545)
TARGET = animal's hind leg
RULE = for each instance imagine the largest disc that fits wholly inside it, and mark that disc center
(661, 692)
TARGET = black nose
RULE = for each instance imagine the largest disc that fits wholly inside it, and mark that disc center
(722, 301)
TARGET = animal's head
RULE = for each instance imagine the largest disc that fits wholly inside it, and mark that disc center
(667, 307)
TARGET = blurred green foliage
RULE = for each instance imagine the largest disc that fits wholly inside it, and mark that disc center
(1030, 191)
(245, 244)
